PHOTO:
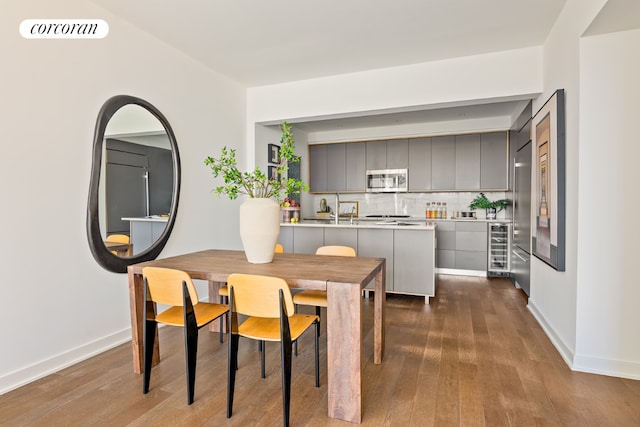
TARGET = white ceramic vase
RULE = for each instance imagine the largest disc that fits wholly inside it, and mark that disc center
(259, 229)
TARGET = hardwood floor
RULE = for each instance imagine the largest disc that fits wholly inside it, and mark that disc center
(473, 357)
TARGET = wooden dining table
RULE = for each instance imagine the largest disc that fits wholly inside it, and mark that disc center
(343, 278)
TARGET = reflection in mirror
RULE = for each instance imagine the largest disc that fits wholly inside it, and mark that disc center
(134, 183)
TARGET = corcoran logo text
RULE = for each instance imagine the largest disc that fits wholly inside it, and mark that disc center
(64, 28)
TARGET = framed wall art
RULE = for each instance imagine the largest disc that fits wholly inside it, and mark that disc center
(272, 172)
(348, 209)
(548, 182)
(274, 153)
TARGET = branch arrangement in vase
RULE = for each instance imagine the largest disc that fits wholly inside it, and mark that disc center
(256, 184)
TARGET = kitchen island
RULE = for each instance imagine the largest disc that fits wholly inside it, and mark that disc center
(408, 246)
(145, 231)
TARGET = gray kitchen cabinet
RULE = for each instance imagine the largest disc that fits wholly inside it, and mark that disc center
(419, 164)
(443, 163)
(307, 240)
(410, 254)
(318, 168)
(398, 154)
(471, 246)
(341, 237)
(376, 155)
(446, 245)
(356, 163)
(286, 239)
(462, 245)
(413, 260)
(493, 161)
(391, 154)
(467, 162)
(377, 243)
(336, 167)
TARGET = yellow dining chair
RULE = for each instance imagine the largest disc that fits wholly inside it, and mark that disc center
(314, 297)
(224, 291)
(175, 289)
(268, 304)
(120, 238)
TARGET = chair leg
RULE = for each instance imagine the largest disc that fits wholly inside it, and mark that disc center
(285, 349)
(231, 371)
(191, 353)
(318, 314)
(317, 354)
(295, 343)
(262, 361)
(221, 324)
(149, 343)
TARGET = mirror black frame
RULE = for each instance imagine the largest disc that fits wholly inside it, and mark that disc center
(103, 256)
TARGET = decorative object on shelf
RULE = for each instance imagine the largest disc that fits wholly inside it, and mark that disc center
(548, 187)
(274, 154)
(290, 209)
(260, 213)
(492, 208)
(348, 209)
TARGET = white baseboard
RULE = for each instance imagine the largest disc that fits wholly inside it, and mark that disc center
(609, 367)
(56, 363)
(562, 348)
(588, 364)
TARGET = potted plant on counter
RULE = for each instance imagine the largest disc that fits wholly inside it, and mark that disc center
(260, 213)
(492, 208)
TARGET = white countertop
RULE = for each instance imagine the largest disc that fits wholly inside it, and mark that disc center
(389, 225)
(150, 218)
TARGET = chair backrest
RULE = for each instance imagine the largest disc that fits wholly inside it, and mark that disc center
(165, 286)
(259, 296)
(118, 238)
(336, 250)
(279, 249)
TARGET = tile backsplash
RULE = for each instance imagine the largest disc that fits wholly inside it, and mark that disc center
(413, 204)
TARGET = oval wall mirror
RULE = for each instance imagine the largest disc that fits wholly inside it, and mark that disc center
(135, 183)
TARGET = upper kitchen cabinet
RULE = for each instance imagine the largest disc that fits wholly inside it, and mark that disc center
(355, 166)
(493, 161)
(376, 155)
(468, 162)
(335, 168)
(318, 162)
(443, 163)
(398, 154)
(391, 154)
(420, 164)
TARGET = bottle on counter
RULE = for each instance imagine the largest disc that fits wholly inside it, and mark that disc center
(444, 210)
(438, 210)
(427, 212)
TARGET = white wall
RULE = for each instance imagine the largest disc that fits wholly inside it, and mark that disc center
(587, 310)
(510, 75)
(553, 294)
(58, 304)
(608, 339)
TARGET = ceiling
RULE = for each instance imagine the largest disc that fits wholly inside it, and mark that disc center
(260, 42)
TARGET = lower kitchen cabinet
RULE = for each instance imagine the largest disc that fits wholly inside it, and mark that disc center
(341, 237)
(462, 246)
(413, 261)
(376, 243)
(410, 253)
(307, 240)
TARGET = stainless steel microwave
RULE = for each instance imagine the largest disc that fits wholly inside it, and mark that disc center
(387, 180)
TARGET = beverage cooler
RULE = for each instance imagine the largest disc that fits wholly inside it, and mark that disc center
(499, 262)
